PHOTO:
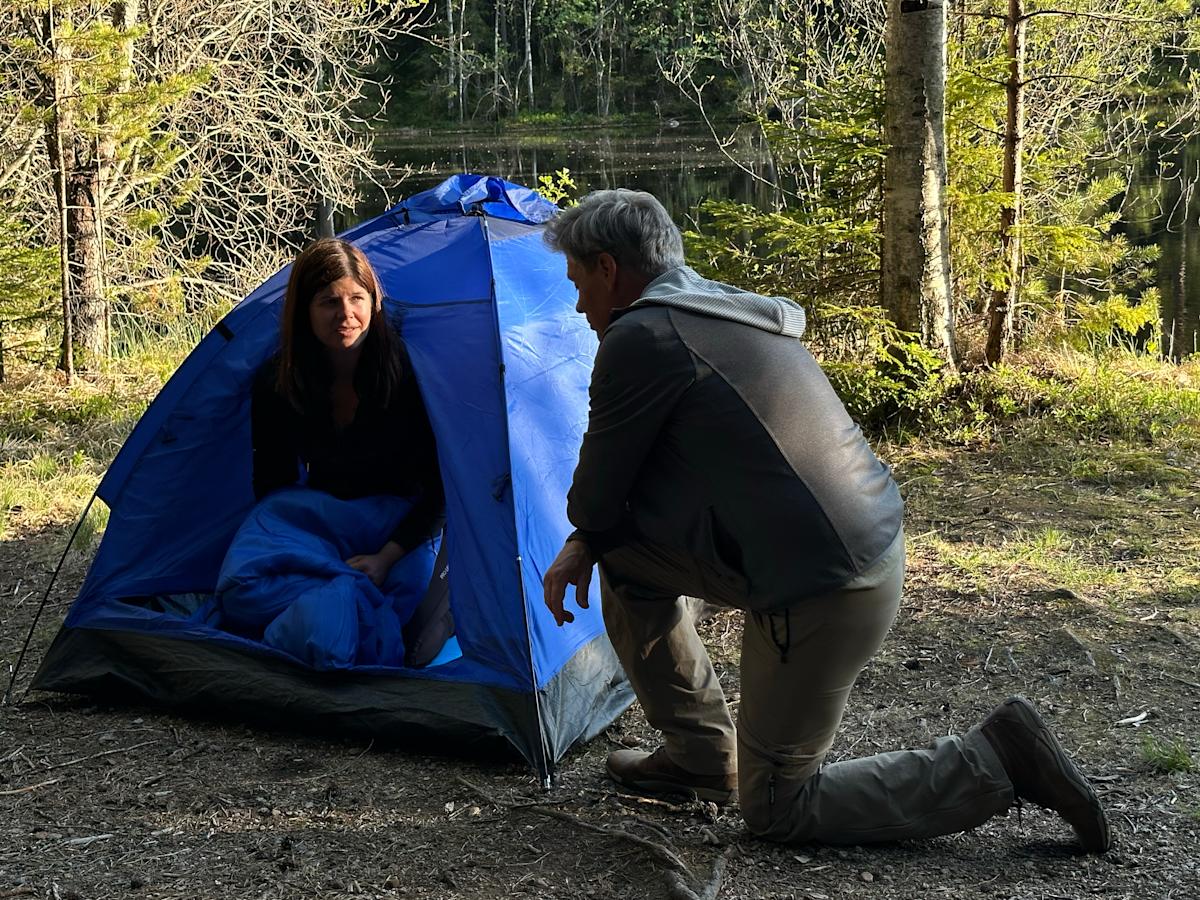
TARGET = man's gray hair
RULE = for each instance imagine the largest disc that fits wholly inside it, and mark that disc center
(631, 225)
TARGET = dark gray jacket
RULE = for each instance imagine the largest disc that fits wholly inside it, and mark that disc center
(712, 429)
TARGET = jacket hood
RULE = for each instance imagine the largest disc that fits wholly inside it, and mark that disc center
(683, 289)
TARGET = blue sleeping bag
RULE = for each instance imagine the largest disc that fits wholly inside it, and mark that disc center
(285, 581)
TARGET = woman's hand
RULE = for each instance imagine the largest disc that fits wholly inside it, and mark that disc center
(377, 565)
(573, 565)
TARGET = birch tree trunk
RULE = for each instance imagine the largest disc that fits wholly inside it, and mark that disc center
(451, 59)
(608, 68)
(1004, 298)
(529, 50)
(496, 62)
(598, 50)
(462, 69)
(915, 254)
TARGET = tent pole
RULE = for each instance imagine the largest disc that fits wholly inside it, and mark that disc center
(545, 764)
(12, 680)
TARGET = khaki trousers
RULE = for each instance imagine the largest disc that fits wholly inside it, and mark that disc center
(797, 669)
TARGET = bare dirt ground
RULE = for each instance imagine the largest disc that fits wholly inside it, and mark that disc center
(1069, 574)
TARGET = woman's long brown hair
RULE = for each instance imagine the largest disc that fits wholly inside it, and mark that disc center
(304, 374)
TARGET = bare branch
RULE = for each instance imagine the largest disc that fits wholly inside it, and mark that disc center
(1079, 14)
(236, 116)
(1049, 76)
(32, 142)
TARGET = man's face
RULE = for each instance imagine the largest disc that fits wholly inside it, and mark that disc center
(597, 296)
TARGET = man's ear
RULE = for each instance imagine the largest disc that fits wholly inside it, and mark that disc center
(608, 268)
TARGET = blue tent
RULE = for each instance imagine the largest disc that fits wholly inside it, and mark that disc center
(503, 363)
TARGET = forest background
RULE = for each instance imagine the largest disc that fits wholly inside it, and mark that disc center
(158, 160)
(987, 208)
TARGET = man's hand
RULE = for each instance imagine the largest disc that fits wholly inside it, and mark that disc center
(573, 565)
(377, 565)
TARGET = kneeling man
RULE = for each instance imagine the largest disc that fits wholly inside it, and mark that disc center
(719, 464)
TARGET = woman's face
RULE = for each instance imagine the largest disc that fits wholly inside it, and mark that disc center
(340, 314)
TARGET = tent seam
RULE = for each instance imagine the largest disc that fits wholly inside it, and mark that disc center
(547, 765)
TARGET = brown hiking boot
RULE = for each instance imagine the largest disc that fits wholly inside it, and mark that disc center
(1042, 773)
(654, 773)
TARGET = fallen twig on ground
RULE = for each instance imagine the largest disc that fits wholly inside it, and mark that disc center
(660, 851)
(630, 800)
(1190, 684)
(335, 773)
(83, 759)
(699, 808)
(495, 801)
(29, 787)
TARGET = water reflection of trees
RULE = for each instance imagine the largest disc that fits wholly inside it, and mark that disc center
(679, 165)
(1161, 209)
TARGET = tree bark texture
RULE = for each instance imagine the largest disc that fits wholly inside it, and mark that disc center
(528, 4)
(915, 252)
(1004, 298)
(496, 62)
(58, 169)
(1179, 331)
(462, 69)
(75, 167)
(58, 87)
(451, 59)
(89, 316)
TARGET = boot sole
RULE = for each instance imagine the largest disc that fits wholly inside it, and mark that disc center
(1033, 720)
(652, 787)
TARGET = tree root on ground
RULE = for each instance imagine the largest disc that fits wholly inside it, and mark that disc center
(684, 885)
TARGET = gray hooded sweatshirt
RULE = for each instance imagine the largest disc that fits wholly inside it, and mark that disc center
(714, 431)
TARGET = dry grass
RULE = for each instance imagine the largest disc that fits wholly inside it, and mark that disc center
(56, 440)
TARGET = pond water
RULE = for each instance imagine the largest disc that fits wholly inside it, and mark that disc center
(1163, 208)
(682, 164)
(679, 163)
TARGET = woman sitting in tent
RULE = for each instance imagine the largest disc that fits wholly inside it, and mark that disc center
(337, 556)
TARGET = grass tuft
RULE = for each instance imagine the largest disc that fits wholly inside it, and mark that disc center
(56, 440)
(43, 467)
(1057, 394)
(1167, 756)
(92, 527)
(1050, 539)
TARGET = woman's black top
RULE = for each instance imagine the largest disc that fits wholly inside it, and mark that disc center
(386, 449)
